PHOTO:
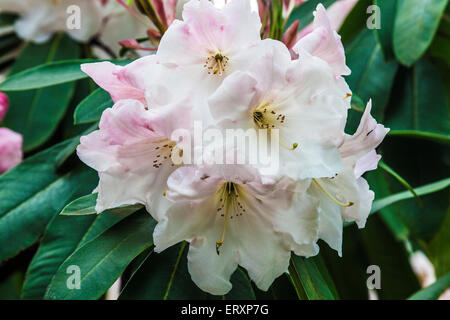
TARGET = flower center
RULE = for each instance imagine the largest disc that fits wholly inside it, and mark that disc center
(266, 117)
(229, 205)
(164, 151)
(216, 64)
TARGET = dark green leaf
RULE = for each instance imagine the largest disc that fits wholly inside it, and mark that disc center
(36, 114)
(103, 259)
(49, 74)
(32, 193)
(86, 206)
(312, 275)
(379, 204)
(91, 108)
(415, 26)
(420, 106)
(354, 22)
(165, 276)
(388, 11)
(58, 244)
(398, 281)
(371, 76)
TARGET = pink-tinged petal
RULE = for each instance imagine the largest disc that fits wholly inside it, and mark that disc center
(118, 186)
(96, 151)
(206, 30)
(131, 150)
(10, 149)
(4, 105)
(255, 234)
(209, 271)
(170, 8)
(360, 211)
(338, 11)
(366, 163)
(127, 82)
(259, 221)
(199, 225)
(190, 184)
(366, 138)
(330, 219)
(324, 43)
(231, 103)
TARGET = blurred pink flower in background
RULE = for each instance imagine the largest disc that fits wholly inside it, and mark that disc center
(10, 149)
(4, 104)
(10, 141)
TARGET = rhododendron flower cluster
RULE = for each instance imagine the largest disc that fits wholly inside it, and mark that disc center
(213, 67)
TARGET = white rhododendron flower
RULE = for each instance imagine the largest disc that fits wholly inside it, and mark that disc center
(132, 151)
(301, 98)
(40, 19)
(213, 67)
(211, 43)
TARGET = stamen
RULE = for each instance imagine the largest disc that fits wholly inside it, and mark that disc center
(349, 204)
(216, 64)
(347, 95)
(163, 153)
(228, 199)
(264, 120)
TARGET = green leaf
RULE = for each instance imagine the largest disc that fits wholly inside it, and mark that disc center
(58, 244)
(354, 22)
(434, 291)
(103, 259)
(415, 26)
(405, 183)
(420, 222)
(388, 10)
(349, 271)
(81, 206)
(371, 76)
(91, 108)
(50, 74)
(86, 206)
(304, 12)
(398, 281)
(163, 276)
(311, 275)
(423, 190)
(420, 106)
(36, 114)
(32, 193)
(438, 249)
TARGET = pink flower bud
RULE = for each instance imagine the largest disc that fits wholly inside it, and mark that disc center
(133, 44)
(290, 35)
(4, 104)
(10, 149)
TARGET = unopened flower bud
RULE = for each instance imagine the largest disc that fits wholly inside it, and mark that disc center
(4, 105)
(10, 149)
